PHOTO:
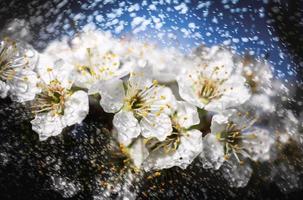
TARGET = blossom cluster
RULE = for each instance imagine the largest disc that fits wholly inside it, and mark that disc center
(169, 109)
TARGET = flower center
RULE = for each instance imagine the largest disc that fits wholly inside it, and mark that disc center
(171, 142)
(136, 102)
(110, 63)
(51, 99)
(232, 139)
(142, 101)
(89, 67)
(208, 90)
(169, 145)
(251, 82)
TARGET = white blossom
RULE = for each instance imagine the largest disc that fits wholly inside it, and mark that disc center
(17, 78)
(142, 107)
(259, 77)
(57, 106)
(212, 84)
(233, 140)
(94, 55)
(233, 135)
(165, 63)
(182, 146)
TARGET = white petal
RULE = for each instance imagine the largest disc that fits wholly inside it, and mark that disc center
(112, 95)
(83, 79)
(165, 63)
(31, 56)
(50, 68)
(45, 68)
(237, 175)
(4, 88)
(212, 155)
(235, 93)
(262, 74)
(220, 63)
(218, 123)
(187, 114)
(22, 55)
(47, 125)
(64, 73)
(259, 148)
(127, 126)
(24, 86)
(190, 147)
(138, 152)
(101, 53)
(59, 49)
(187, 88)
(93, 39)
(262, 102)
(140, 78)
(243, 117)
(166, 98)
(76, 108)
(158, 126)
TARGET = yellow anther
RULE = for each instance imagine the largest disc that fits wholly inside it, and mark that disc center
(49, 69)
(155, 82)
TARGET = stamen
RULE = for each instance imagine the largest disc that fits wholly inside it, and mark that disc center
(7, 61)
(209, 90)
(143, 101)
(52, 98)
(233, 139)
(169, 145)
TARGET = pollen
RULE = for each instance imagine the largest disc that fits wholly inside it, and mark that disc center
(162, 97)
(155, 82)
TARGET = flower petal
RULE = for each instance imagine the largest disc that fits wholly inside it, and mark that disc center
(219, 63)
(166, 98)
(190, 147)
(212, 155)
(236, 174)
(50, 69)
(127, 126)
(112, 95)
(45, 68)
(259, 148)
(76, 108)
(262, 102)
(47, 125)
(218, 123)
(235, 92)
(186, 84)
(138, 152)
(158, 126)
(187, 114)
(4, 88)
(140, 78)
(24, 86)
